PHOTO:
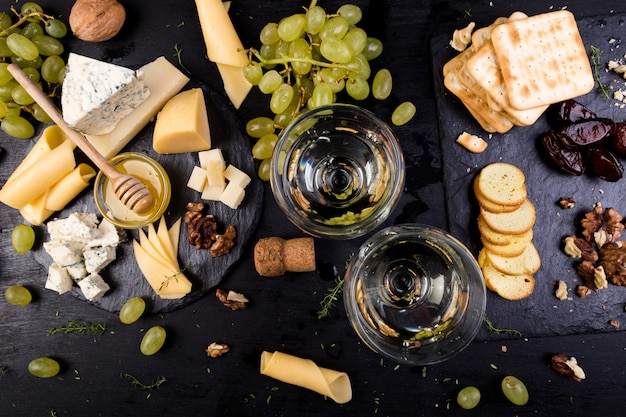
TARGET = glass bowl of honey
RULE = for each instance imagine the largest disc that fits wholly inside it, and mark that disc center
(146, 170)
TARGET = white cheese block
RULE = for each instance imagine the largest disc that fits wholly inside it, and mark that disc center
(108, 235)
(212, 192)
(59, 279)
(164, 81)
(93, 286)
(76, 271)
(233, 195)
(96, 95)
(77, 227)
(64, 253)
(197, 179)
(234, 174)
(212, 158)
(97, 258)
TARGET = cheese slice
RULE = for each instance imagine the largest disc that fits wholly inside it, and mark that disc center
(164, 280)
(164, 81)
(183, 125)
(164, 238)
(174, 233)
(224, 48)
(96, 95)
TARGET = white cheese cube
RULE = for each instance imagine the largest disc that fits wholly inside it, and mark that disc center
(77, 227)
(98, 258)
(197, 179)
(107, 235)
(234, 174)
(212, 158)
(212, 192)
(76, 271)
(93, 286)
(64, 253)
(96, 95)
(59, 279)
(233, 195)
(215, 177)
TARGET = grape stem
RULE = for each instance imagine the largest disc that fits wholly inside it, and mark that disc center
(22, 18)
(284, 60)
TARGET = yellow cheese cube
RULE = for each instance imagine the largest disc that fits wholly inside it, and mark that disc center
(234, 174)
(211, 158)
(182, 125)
(197, 179)
(212, 192)
(233, 195)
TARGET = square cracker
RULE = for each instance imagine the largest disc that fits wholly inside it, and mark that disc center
(543, 59)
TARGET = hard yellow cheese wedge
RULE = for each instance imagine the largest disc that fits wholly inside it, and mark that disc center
(182, 125)
(157, 256)
(224, 48)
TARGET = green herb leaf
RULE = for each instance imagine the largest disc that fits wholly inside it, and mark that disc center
(74, 326)
(597, 66)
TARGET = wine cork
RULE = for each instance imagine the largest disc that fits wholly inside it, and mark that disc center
(273, 256)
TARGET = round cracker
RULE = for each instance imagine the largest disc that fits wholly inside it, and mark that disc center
(510, 287)
(528, 262)
(492, 206)
(515, 222)
(502, 183)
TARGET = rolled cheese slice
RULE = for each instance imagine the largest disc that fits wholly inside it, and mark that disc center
(305, 373)
(59, 195)
(39, 177)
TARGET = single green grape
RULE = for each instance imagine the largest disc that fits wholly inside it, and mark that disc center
(514, 390)
(32, 29)
(21, 96)
(281, 98)
(51, 68)
(269, 34)
(5, 51)
(335, 50)
(268, 52)
(373, 48)
(22, 47)
(382, 84)
(315, 19)
(25, 63)
(292, 27)
(5, 75)
(44, 367)
(152, 340)
(403, 113)
(253, 72)
(265, 169)
(264, 147)
(358, 88)
(356, 39)
(31, 7)
(364, 70)
(3, 109)
(47, 45)
(322, 96)
(468, 397)
(17, 126)
(22, 238)
(330, 77)
(258, 127)
(6, 90)
(351, 13)
(335, 27)
(270, 81)
(40, 114)
(56, 28)
(33, 74)
(132, 310)
(5, 20)
(300, 48)
(18, 295)
(13, 110)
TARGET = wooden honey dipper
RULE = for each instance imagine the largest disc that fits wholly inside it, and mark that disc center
(131, 192)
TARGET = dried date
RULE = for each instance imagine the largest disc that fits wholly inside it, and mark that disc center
(619, 139)
(604, 164)
(568, 160)
(586, 133)
(571, 111)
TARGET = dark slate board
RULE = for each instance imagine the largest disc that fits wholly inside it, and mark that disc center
(203, 270)
(541, 314)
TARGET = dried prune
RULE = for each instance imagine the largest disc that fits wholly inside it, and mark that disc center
(604, 164)
(571, 111)
(568, 160)
(619, 139)
(586, 133)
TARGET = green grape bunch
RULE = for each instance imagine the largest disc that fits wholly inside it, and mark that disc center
(305, 61)
(30, 39)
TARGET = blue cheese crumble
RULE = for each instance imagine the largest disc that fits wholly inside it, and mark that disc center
(96, 95)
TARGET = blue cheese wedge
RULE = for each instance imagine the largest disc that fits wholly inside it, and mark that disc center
(96, 95)
(59, 279)
(98, 258)
(93, 286)
(63, 253)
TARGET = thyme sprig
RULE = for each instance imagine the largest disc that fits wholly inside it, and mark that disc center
(137, 384)
(74, 326)
(329, 300)
(178, 54)
(499, 331)
(596, 61)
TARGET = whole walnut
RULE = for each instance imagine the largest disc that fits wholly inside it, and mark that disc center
(96, 20)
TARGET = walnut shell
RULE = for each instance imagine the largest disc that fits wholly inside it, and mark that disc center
(96, 20)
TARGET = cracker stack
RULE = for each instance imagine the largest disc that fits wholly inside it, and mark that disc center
(517, 66)
(508, 258)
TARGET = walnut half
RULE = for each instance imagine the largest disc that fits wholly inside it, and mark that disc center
(567, 366)
(215, 350)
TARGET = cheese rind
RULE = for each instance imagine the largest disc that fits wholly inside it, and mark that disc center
(96, 95)
(183, 125)
(164, 81)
